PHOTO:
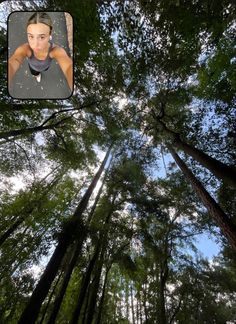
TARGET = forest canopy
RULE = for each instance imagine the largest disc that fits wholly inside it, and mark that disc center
(104, 195)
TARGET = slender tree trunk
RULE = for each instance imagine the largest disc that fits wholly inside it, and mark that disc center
(162, 309)
(220, 170)
(87, 277)
(31, 311)
(226, 225)
(68, 234)
(69, 270)
(85, 308)
(84, 286)
(50, 298)
(137, 308)
(127, 298)
(100, 308)
(145, 302)
(132, 303)
(99, 193)
(140, 312)
(95, 288)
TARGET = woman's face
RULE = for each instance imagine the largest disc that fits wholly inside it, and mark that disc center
(38, 36)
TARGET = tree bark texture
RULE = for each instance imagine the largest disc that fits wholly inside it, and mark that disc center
(226, 225)
(84, 286)
(95, 288)
(220, 170)
(66, 279)
(100, 308)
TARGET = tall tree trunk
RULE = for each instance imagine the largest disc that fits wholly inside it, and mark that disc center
(66, 237)
(220, 170)
(100, 308)
(50, 298)
(66, 279)
(226, 225)
(127, 298)
(84, 286)
(95, 286)
(70, 268)
(132, 303)
(99, 193)
(137, 307)
(162, 285)
(98, 272)
(145, 289)
(84, 314)
(88, 274)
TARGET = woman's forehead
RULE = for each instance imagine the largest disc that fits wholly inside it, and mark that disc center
(38, 29)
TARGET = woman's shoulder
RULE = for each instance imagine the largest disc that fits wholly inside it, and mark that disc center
(57, 51)
(22, 51)
(25, 49)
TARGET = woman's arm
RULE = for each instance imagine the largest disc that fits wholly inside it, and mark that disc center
(15, 61)
(65, 63)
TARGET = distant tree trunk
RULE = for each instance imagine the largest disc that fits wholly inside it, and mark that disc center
(85, 307)
(88, 274)
(50, 298)
(140, 312)
(71, 228)
(145, 302)
(84, 286)
(95, 286)
(137, 309)
(98, 270)
(226, 225)
(66, 279)
(163, 278)
(127, 298)
(220, 170)
(100, 308)
(132, 303)
(99, 193)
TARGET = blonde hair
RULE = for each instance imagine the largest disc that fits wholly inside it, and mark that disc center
(40, 17)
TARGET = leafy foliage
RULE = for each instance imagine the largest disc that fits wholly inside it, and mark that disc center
(147, 74)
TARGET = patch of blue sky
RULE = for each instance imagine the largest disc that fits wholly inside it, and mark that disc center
(208, 246)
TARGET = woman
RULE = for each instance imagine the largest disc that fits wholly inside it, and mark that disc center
(40, 51)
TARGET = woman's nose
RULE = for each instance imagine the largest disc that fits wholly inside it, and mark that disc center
(35, 42)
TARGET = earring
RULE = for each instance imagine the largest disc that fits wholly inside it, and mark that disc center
(50, 37)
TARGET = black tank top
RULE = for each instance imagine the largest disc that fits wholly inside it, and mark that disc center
(40, 65)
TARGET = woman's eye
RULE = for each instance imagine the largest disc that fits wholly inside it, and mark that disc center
(42, 37)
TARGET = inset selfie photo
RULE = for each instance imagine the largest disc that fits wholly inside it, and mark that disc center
(40, 55)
